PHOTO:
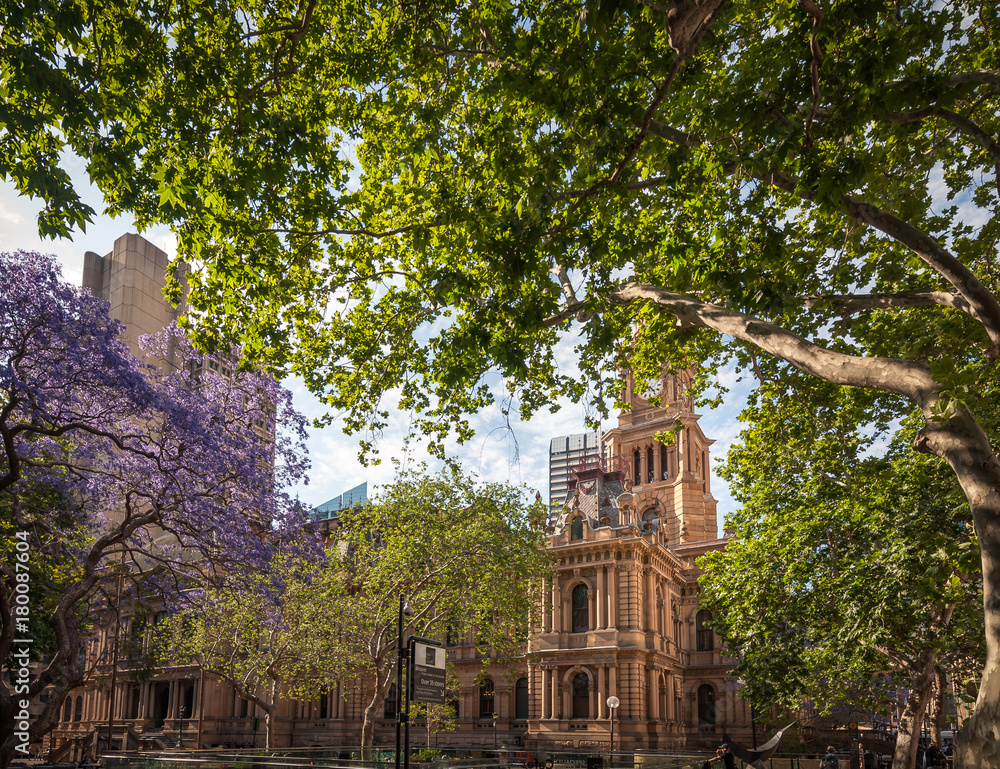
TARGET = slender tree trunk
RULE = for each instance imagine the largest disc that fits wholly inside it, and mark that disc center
(961, 441)
(921, 687)
(935, 709)
(269, 713)
(368, 720)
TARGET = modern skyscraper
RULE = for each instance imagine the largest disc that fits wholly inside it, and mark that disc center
(566, 454)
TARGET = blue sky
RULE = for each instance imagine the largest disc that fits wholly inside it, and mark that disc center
(518, 456)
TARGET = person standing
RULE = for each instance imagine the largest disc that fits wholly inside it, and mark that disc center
(728, 759)
(830, 760)
(933, 757)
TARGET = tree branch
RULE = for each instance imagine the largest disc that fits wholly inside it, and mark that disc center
(852, 304)
(907, 378)
(983, 304)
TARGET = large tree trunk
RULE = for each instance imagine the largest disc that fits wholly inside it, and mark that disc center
(921, 687)
(961, 441)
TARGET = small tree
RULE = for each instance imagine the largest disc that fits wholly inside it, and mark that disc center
(111, 470)
(271, 633)
(463, 554)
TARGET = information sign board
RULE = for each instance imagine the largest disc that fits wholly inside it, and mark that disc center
(427, 673)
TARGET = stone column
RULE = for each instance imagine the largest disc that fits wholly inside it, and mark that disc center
(653, 695)
(657, 463)
(613, 595)
(596, 620)
(601, 693)
(593, 601)
(649, 602)
(554, 695)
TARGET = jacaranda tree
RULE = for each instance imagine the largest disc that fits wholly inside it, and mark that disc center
(400, 197)
(115, 475)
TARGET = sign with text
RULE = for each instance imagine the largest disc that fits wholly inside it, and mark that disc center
(427, 671)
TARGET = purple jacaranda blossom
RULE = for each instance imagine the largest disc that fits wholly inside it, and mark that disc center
(127, 477)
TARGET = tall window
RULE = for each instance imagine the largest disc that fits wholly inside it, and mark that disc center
(664, 462)
(706, 704)
(521, 699)
(486, 694)
(581, 696)
(78, 709)
(324, 704)
(68, 709)
(637, 467)
(581, 617)
(704, 638)
(576, 529)
(450, 636)
(389, 711)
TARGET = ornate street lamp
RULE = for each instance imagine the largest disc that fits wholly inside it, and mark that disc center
(613, 703)
(496, 717)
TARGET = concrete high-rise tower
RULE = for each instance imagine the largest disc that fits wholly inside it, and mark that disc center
(566, 453)
(132, 278)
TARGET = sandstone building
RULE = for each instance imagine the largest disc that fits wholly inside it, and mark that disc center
(621, 617)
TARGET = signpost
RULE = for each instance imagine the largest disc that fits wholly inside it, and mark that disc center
(425, 666)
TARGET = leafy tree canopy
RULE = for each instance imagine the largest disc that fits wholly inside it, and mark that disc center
(395, 197)
(853, 573)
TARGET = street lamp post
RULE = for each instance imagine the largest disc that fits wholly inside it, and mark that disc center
(180, 728)
(613, 703)
(496, 717)
(404, 610)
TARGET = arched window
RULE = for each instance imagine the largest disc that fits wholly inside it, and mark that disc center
(706, 704)
(68, 709)
(662, 697)
(637, 467)
(450, 636)
(581, 617)
(704, 638)
(521, 699)
(389, 711)
(581, 696)
(486, 693)
(649, 465)
(78, 709)
(664, 462)
(324, 704)
(576, 529)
